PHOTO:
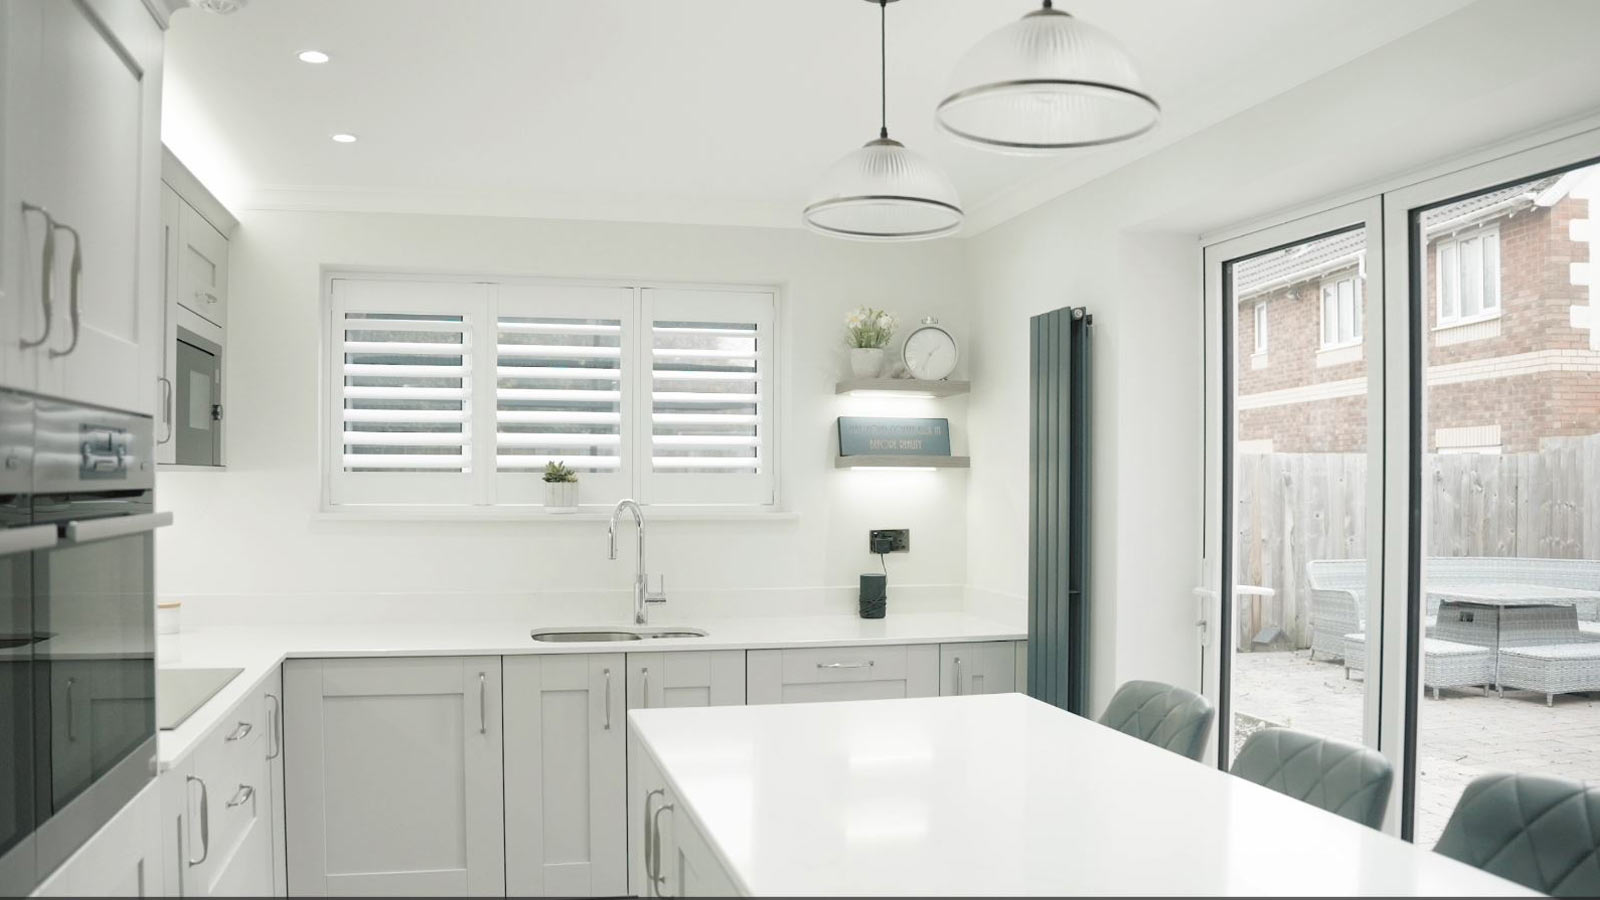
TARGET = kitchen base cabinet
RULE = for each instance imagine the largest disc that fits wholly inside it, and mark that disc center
(566, 775)
(675, 679)
(219, 810)
(123, 859)
(980, 667)
(813, 674)
(393, 769)
(672, 858)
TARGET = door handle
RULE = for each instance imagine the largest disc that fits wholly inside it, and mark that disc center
(115, 526)
(243, 795)
(655, 839)
(239, 731)
(958, 676)
(33, 537)
(608, 699)
(840, 665)
(651, 864)
(75, 270)
(644, 695)
(166, 406)
(205, 820)
(275, 742)
(483, 703)
(207, 296)
(72, 720)
(47, 265)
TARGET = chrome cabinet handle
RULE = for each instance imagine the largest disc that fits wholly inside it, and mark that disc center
(608, 699)
(958, 676)
(166, 406)
(239, 731)
(47, 265)
(72, 720)
(243, 795)
(658, 879)
(115, 526)
(205, 820)
(644, 699)
(75, 270)
(275, 745)
(651, 864)
(841, 665)
(33, 537)
(207, 296)
(483, 703)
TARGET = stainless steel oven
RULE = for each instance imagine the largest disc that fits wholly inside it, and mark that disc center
(77, 629)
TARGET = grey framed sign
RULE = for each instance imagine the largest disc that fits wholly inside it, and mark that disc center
(862, 436)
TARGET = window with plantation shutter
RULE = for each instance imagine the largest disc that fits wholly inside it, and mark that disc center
(710, 407)
(459, 393)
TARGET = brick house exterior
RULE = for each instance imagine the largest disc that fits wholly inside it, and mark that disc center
(1499, 380)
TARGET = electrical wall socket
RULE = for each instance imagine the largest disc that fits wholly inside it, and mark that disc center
(889, 540)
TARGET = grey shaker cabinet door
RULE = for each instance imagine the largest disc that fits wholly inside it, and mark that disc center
(394, 776)
(979, 667)
(566, 775)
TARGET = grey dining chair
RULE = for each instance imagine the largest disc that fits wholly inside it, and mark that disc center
(1346, 779)
(1539, 831)
(1169, 717)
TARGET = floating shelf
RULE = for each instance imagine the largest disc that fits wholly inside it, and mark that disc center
(902, 462)
(909, 387)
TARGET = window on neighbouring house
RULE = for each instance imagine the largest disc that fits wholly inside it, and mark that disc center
(1261, 327)
(1341, 311)
(458, 393)
(1468, 276)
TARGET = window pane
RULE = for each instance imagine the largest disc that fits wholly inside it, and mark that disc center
(1261, 327)
(1449, 283)
(558, 394)
(1511, 501)
(707, 391)
(1299, 466)
(406, 393)
(1471, 277)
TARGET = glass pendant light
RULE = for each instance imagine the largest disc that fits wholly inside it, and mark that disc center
(884, 192)
(1046, 82)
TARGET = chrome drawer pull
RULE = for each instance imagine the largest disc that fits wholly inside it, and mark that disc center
(608, 700)
(205, 820)
(239, 731)
(840, 665)
(207, 296)
(47, 266)
(244, 795)
(276, 744)
(74, 307)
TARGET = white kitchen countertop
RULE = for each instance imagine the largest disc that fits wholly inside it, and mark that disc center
(260, 648)
(1003, 794)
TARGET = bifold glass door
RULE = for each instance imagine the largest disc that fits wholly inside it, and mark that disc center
(1289, 605)
(1403, 477)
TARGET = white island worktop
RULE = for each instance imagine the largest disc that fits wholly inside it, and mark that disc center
(1001, 794)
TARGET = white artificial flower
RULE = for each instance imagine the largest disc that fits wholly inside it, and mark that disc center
(885, 321)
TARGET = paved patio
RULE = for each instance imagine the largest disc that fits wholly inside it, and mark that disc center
(1461, 736)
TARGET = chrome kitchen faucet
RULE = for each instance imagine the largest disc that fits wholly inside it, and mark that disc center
(641, 582)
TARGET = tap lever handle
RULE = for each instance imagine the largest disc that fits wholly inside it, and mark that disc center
(657, 596)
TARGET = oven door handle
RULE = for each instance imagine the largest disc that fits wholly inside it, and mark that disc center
(33, 537)
(114, 527)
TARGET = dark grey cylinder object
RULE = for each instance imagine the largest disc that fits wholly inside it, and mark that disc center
(874, 596)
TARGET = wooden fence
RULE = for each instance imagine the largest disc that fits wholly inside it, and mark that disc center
(1297, 507)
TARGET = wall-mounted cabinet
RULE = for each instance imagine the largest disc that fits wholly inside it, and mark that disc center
(195, 230)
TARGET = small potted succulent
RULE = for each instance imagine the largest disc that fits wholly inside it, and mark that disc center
(560, 488)
(867, 332)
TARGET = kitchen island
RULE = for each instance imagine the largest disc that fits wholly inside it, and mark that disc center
(997, 794)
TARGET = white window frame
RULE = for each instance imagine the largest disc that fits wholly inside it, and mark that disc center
(1340, 341)
(486, 492)
(1454, 242)
(1261, 328)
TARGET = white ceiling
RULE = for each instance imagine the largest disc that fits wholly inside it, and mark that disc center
(702, 111)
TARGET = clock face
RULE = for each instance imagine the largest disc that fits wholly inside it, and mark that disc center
(930, 353)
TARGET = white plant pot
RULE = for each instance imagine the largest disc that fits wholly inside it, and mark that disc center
(561, 496)
(866, 362)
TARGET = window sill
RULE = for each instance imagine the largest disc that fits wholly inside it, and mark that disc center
(1463, 323)
(535, 515)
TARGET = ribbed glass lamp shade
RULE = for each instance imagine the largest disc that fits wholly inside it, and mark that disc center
(884, 192)
(1046, 82)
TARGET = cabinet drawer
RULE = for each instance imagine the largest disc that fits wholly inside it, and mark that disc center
(202, 266)
(232, 765)
(815, 674)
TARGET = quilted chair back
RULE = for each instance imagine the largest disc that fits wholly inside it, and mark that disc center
(1539, 831)
(1169, 717)
(1346, 779)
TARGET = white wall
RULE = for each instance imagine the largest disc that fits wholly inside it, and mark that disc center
(253, 531)
(1127, 247)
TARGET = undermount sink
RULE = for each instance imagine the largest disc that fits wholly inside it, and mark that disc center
(604, 634)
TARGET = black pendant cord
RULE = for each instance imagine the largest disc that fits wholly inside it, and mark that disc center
(883, 69)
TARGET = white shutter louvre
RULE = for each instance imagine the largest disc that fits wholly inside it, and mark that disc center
(558, 394)
(710, 408)
(406, 393)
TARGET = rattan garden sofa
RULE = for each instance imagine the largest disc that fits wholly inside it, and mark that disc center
(1445, 664)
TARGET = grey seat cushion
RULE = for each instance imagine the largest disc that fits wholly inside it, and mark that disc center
(1161, 714)
(1539, 831)
(1347, 779)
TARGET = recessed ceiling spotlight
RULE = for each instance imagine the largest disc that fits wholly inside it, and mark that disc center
(342, 138)
(315, 57)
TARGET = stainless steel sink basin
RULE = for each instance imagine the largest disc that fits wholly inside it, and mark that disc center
(585, 636)
(604, 634)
